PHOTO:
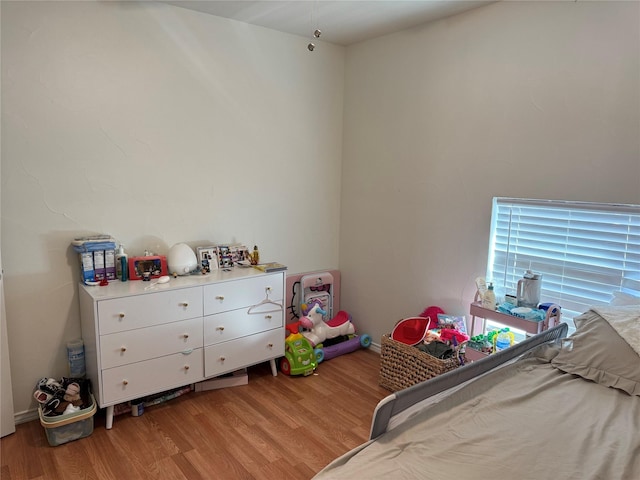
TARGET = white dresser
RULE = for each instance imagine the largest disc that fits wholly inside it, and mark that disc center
(142, 338)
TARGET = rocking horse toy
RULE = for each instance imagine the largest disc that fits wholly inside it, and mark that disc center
(319, 332)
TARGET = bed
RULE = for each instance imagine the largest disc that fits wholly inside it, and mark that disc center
(551, 407)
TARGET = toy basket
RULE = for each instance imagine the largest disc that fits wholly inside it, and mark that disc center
(68, 427)
(402, 366)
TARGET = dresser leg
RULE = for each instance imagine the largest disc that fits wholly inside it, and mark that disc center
(109, 420)
(274, 370)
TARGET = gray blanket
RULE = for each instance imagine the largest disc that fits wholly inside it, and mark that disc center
(527, 420)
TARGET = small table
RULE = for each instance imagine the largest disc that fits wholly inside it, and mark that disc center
(531, 327)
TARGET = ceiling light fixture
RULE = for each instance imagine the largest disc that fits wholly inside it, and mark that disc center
(312, 46)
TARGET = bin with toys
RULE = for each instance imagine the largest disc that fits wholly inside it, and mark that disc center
(420, 348)
(66, 409)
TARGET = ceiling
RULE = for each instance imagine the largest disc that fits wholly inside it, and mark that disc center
(342, 22)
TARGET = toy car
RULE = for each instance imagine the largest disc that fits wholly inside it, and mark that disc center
(299, 357)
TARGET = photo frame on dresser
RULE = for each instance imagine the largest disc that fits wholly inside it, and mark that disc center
(208, 258)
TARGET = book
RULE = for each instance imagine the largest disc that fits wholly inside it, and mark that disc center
(458, 322)
(270, 267)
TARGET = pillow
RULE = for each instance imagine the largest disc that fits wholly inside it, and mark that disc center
(596, 352)
(621, 298)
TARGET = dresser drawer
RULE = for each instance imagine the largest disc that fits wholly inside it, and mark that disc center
(152, 376)
(229, 356)
(238, 323)
(128, 313)
(151, 342)
(232, 295)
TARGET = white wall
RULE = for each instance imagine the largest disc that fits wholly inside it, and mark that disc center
(157, 125)
(523, 99)
(160, 125)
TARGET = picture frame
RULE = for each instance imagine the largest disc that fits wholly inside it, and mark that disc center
(239, 253)
(208, 258)
(224, 256)
(146, 268)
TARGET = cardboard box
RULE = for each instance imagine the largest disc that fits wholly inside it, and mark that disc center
(98, 265)
(239, 377)
(87, 274)
(110, 264)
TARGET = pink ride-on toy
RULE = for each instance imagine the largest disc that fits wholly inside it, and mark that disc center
(339, 333)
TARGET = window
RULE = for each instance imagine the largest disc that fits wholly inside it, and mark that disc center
(584, 251)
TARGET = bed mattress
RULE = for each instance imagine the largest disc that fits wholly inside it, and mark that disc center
(526, 420)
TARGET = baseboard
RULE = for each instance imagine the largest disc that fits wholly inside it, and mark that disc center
(25, 416)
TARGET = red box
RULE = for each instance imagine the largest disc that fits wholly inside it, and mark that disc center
(155, 266)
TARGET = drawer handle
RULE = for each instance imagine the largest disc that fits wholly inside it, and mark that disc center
(219, 297)
(125, 382)
(184, 304)
(220, 328)
(270, 345)
(123, 349)
(186, 367)
(187, 352)
(268, 317)
(121, 315)
(185, 336)
(222, 359)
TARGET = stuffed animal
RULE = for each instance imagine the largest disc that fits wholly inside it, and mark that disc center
(72, 394)
(432, 314)
(451, 334)
(431, 336)
(58, 398)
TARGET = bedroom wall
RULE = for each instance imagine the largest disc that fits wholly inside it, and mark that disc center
(522, 99)
(157, 125)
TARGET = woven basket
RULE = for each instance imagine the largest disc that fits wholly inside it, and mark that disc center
(402, 366)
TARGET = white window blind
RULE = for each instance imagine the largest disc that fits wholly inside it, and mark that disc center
(585, 251)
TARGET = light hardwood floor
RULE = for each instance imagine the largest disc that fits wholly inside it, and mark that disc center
(273, 428)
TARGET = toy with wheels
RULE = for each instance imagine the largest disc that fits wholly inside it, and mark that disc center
(351, 345)
(299, 356)
(319, 331)
(339, 333)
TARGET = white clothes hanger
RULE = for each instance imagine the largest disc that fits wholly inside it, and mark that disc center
(266, 301)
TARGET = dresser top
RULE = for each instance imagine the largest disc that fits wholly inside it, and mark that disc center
(118, 289)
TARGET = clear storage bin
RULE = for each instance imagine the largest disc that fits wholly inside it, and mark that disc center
(71, 426)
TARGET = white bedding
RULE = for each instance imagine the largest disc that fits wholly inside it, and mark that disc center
(626, 321)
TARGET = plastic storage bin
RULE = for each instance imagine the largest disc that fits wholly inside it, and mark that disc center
(72, 426)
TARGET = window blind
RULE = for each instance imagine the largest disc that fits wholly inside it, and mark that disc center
(585, 251)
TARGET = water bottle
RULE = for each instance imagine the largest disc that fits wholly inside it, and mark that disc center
(75, 354)
(504, 339)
